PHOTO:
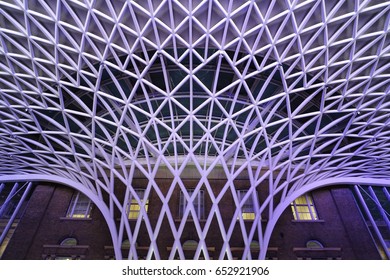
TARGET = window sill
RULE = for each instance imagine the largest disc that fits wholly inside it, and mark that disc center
(129, 219)
(209, 249)
(47, 246)
(253, 250)
(72, 252)
(251, 220)
(325, 249)
(307, 221)
(189, 220)
(145, 248)
(75, 219)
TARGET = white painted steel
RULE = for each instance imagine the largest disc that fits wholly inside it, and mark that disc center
(286, 93)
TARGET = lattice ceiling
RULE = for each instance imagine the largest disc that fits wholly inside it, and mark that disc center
(296, 89)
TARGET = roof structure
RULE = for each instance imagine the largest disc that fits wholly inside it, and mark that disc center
(288, 92)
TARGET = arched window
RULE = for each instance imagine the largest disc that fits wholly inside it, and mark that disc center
(255, 245)
(190, 245)
(125, 244)
(314, 244)
(69, 241)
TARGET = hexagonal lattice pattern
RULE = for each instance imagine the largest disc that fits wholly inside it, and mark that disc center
(285, 92)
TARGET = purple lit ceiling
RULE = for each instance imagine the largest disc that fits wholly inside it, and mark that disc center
(285, 92)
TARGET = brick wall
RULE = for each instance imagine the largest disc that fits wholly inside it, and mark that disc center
(340, 227)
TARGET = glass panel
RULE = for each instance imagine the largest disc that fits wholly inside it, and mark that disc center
(255, 245)
(248, 216)
(303, 208)
(294, 211)
(69, 242)
(80, 206)
(134, 209)
(125, 244)
(314, 244)
(247, 210)
(190, 245)
(198, 203)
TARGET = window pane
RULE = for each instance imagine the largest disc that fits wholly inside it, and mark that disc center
(198, 204)
(247, 209)
(80, 206)
(303, 208)
(133, 208)
(301, 200)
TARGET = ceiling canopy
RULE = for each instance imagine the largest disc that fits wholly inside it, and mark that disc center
(298, 88)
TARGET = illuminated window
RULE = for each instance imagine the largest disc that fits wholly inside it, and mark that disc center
(134, 208)
(247, 210)
(303, 208)
(80, 206)
(198, 203)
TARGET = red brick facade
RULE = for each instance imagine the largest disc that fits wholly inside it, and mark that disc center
(340, 228)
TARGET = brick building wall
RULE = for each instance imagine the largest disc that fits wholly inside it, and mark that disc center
(340, 228)
(44, 225)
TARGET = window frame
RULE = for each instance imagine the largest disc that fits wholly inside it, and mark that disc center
(79, 209)
(69, 241)
(198, 202)
(304, 210)
(190, 245)
(248, 212)
(133, 208)
(314, 244)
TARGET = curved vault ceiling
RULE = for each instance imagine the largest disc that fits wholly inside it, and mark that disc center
(287, 92)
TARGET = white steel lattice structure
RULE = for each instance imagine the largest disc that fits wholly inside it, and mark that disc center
(291, 94)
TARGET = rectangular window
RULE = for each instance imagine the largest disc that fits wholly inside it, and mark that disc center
(247, 210)
(303, 208)
(80, 206)
(134, 208)
(198, 203)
